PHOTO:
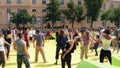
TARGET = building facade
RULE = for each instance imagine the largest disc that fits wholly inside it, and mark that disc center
(37, 7)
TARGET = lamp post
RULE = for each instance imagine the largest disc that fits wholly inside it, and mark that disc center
(9, 23)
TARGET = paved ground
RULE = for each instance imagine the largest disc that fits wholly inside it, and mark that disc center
(50, 54)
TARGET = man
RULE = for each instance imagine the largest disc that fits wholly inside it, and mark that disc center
(40, 41)
(22, 52)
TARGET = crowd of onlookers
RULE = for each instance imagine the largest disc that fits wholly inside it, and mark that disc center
(67, 39)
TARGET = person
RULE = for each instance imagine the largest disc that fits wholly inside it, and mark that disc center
(8, 39)
(92, 34)
(26, 37)
(105, 51)
(68, 49)
(39, 46)
(61, 41)
(30, 33)
(96, 44)
(116, 43)
(48, 34)
(22, 52)
(86, 39)
(2, 55)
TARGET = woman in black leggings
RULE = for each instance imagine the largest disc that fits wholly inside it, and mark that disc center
(68, 49)
(105, 51)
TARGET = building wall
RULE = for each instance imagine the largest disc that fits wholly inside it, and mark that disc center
(27, 4)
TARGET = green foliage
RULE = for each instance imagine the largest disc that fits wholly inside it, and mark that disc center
(79, 14)
(112, 15)
(53, 11)
(116, 16)
(73, 13)
(22, 17)
(93, 9)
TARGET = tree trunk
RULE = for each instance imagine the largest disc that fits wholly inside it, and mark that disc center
(17, 25)
(91, 24)
(118, 24)
(73, 24)
(52, 24)
(105, 23)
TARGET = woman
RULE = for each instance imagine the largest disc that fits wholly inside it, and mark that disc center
(2, 55)
(106, 41)
(8, 39)
(96, 44)
(48, 34)
(22, 53)
(61, 41)
(68, 49)
(86, 39)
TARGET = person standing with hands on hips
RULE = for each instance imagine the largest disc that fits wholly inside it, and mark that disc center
(39, 46)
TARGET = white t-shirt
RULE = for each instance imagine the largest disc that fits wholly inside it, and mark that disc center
(2, 44)
(30, 33)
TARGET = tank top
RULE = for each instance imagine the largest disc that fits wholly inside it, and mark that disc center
(67, 47)
(106, 44)
(20, 47)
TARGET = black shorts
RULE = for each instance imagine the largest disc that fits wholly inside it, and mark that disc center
(31, 38)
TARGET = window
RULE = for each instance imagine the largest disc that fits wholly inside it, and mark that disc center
(18, 10)
(62, 19)
(38, 19)
(19, 1)
(43, 10)
(33, 10)
(104, 6)
(8, 1)
(43, 20)
(62, 2)
(33, 1)
(112, 6)
(8, 10)
(70, 1)
(79, 2)
(43, 1)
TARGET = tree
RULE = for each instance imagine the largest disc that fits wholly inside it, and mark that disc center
(79, 14)
(93, 8)
(53, 11)
(106, 16)
(73, 13)
(116, 16)
(22, 17)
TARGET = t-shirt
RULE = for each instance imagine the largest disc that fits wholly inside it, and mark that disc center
(25, 36)
(30, 34)
(85, 40)
(106, 44)
(38, 38)
(2, 44)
